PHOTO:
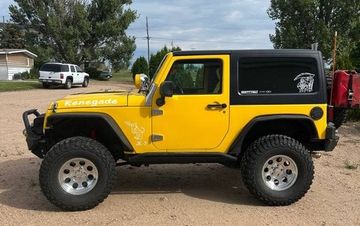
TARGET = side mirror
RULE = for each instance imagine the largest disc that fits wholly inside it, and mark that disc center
(166, 90)
(137, 81)
(141, 81)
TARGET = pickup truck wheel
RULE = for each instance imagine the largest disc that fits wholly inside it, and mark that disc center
(68, 84)
(77, 174)
(277, 170)
(85, 82)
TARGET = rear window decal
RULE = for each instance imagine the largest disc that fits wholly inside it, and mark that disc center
(306, 82)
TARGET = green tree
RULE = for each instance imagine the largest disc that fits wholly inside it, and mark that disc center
(11, 37)
(355, 56)
(299, 23)
(77, 31)
(140, 66)
(155, 59)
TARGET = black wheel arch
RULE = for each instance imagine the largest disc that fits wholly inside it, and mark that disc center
(99, 126)
(283, 124)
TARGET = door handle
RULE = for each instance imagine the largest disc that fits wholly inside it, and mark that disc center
(216, 106)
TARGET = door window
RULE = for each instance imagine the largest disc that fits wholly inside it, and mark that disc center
(196, 77)
(72, 69)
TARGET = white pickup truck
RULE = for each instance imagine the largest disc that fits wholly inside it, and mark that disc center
(62, 74)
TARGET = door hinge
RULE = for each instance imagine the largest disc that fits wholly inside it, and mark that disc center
(156, 112)
(156, 137)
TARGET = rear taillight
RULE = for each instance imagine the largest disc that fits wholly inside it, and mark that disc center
(61, 76)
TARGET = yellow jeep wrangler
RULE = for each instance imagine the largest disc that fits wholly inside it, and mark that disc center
(264, 110)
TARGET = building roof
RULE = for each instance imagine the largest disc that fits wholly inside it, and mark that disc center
(12, 51)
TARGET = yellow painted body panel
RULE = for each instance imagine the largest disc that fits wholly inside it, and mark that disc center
(135, 122)
(186, 125)
(241, 115)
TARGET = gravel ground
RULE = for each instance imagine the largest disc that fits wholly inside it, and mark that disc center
(197, 194)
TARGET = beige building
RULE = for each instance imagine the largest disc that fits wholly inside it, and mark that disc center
(13, 61)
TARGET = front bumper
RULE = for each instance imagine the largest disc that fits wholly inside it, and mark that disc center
(34, 132)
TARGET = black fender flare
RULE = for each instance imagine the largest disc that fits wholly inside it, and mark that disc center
(107, 118)
(235, 148)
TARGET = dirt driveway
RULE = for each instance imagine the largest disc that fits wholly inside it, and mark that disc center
(198, 194)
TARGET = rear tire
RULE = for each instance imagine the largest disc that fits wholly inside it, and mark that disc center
(77, 174)
(277, 170)
(85, 82)
(68, 83)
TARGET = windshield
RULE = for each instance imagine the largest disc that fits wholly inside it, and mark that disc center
(54, 68)
(157, 70)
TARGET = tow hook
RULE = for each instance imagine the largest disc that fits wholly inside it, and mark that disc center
(316, 155)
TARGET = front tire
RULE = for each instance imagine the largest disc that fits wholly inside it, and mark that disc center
(77, 174)
(277, 170)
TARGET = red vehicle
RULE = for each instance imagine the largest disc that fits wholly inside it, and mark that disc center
(346, 89)
(345, 94)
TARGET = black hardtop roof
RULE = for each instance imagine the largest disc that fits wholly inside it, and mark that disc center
(250, 52)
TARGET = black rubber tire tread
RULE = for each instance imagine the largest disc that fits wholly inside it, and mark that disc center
(266, 146)
(340, 117)
(66, 148)
(85, 82)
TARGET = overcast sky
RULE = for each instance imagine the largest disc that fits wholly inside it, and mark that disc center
(197, 24)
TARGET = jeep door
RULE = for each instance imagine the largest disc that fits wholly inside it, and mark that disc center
(196, 117)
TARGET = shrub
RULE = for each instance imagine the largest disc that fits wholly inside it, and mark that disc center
(26, 75)
(17, 76)
(34, 73)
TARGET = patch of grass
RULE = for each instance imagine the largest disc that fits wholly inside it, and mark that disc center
(123, 76)
(6, 86)
(350, 165)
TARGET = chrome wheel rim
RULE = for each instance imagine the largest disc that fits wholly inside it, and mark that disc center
(78, 176)
(279, 172)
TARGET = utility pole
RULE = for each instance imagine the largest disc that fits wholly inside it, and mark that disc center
(148, 44)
